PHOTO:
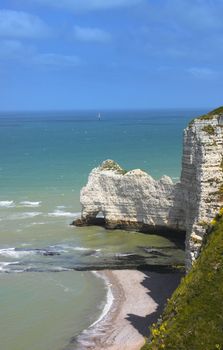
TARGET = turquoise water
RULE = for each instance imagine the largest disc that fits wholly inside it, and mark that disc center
(45, 159)
(55, 152)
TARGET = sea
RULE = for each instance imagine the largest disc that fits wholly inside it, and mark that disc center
(49, 295)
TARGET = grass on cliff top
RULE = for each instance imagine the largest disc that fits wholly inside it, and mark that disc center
(193, 318)
(112, 165)
(209, 115)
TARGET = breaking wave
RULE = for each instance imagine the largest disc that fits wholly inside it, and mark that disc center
(61, 213)
(7, 204)
(25, 215)
(29, 204)
(13, 253)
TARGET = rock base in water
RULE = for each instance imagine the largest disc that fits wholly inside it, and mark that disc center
(128, 226)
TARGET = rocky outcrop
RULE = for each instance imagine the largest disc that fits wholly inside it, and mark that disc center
(134, 200)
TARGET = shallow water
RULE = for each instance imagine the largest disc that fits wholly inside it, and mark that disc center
(44, 302)
(44, 161)
(43, 310)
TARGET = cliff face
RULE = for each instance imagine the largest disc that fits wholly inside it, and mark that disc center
(134, 200)
(201, 179)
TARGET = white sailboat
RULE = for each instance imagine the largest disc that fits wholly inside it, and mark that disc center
(99, 116)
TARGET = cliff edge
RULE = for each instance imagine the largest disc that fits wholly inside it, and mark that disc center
(134, 200)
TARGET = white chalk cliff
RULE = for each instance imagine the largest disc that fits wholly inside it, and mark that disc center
(201, 178)
(130, 199)
(134, 200)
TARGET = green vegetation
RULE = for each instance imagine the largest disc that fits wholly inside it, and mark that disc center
(209, 115)
(112, 165)
(209, 129)
(191, 122)
(193, 318)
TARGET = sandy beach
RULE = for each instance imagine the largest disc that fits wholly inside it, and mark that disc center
(138, 300)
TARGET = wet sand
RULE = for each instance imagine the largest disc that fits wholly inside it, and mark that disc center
(139, 299)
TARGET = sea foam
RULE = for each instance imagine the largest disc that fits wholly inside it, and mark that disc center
(7, 204)
(13, 253)
(85, 339)
(61, 213)
(109, 299)
(29, 204)
(119, 255)
(4, 265)
(25, 215)
(81, 248)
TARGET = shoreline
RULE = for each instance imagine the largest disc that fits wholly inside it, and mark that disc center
(138, 298)
(109, 297)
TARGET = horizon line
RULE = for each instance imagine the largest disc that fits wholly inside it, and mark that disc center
(106, 109)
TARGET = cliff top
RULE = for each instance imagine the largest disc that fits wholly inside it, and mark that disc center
(216, 113)
(111, 165)
(213, 114)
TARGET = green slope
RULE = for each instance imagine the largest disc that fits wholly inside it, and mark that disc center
(193, 318)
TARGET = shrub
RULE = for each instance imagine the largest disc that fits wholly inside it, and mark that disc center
(209, 129)
(112, 165)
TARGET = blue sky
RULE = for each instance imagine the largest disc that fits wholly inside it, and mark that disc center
(96, 54)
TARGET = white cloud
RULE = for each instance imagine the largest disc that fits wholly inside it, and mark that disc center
(202, 72)
(18, 24)
(55, 61)
(91, 34)
(15, 50)
(88, 5)
(27, 55)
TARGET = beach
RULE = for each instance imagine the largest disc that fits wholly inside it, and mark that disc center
(138, 299)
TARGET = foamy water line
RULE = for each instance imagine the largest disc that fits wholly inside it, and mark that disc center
(7, 204)
(29, 204)
(109, 299)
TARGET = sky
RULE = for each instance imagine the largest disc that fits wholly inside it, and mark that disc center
(110, 54)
